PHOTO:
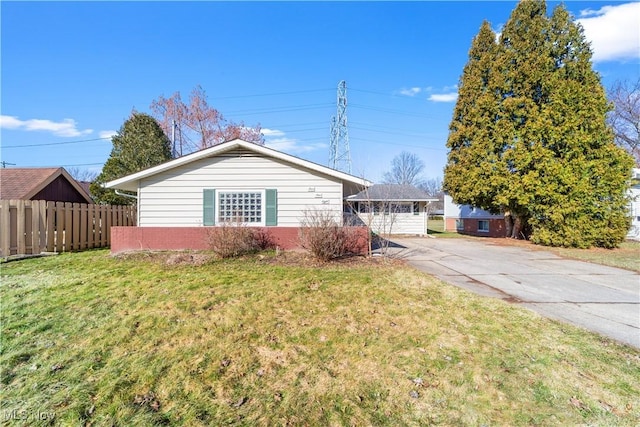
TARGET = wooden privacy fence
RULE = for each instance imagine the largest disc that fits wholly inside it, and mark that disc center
(36, 226)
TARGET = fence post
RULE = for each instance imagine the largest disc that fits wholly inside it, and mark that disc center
(109, 222)
(103, 226)
(20, 226)
(83, 226)
(5, 228)
(91, 213)
(40, 227)
(60, 224)
(51, 232)
(29, 233)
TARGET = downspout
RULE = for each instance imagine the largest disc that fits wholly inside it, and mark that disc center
(131, 196)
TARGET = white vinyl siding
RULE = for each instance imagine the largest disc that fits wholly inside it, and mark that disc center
(175, 197)
(404, 221)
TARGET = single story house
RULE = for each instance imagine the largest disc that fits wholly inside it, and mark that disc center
(236, 181)
(51, 184)
(392, 208)
(466, 219)
(634, 206)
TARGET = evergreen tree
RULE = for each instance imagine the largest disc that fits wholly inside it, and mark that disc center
(139, 144)
(542, 153)
(474, 132)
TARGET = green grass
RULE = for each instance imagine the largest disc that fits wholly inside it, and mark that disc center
(626, 256)
(174, 339)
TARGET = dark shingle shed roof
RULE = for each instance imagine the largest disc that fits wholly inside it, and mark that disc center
(392, 192)
(25, 183)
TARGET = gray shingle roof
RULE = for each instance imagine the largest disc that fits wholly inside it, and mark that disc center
(392, 192)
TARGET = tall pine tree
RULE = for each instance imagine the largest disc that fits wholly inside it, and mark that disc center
(139, 144)
(544, 151)
(473, 130)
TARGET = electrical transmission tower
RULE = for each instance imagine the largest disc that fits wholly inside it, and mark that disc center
(340, 156)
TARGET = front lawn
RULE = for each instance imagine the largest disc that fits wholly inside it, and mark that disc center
(178, 339)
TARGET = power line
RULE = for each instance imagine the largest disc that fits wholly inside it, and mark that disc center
(54, 143)
(271, 94)
(279, 109)
(400, 144)
(386, 110)
(84, 164)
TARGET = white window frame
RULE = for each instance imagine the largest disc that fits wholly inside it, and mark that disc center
(226, 191)
(481, 229)
(459, 224)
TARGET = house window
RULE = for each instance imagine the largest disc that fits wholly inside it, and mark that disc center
(459, 224)
(483, 225)
(244, 207)
(251, 207)
(368, 207)
(401, 208)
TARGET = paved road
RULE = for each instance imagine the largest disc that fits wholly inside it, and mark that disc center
(599, 298)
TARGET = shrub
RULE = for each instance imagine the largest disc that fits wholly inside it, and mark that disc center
(233, 239)
(326, 239)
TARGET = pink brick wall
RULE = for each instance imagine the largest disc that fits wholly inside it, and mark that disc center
(124, 239)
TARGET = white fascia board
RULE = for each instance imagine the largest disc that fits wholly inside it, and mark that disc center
(130, 182)
(353, 198)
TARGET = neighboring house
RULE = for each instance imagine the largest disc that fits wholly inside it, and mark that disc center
(236, 181)
(392, 208)
(51, 184)
(466, 219)
(634, 206)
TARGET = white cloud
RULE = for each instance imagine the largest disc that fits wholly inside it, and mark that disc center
(107, 133)
(277, 140)
(65, 128)
(271, 132)
(410, 92)
(443, 97)
(614, 31)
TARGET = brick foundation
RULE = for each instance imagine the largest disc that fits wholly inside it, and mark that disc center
(126, 239)
(496, 227)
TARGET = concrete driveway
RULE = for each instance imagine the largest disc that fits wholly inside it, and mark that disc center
(599, 298)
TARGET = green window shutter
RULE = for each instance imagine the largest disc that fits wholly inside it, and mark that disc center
(271, 216)
(209, 207)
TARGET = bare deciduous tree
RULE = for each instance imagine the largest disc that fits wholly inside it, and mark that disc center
(82, 174)
(405, 169)
(197, 124)
(624, 119)
(433, 187)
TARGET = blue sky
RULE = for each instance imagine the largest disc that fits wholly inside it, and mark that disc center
(71, 72)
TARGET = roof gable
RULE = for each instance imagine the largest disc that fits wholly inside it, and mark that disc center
(25, 183)
(130, 182)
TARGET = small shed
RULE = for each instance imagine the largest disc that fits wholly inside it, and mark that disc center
(51, 184)
(392, 208)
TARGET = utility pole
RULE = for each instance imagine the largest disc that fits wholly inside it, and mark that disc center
(340, 155)
(4, 164)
